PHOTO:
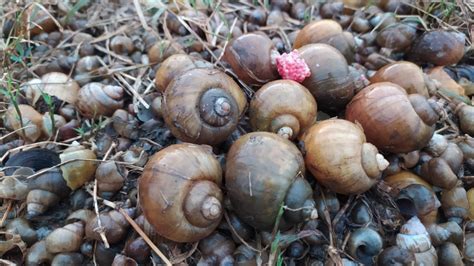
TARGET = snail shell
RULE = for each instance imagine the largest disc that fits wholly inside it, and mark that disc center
(364, 244)
(60, 85)
(95, 99)
(110, 178)
(331, 81)
(348, 165)
(31, 121)
(455, 204)
(114, 224)
(175, 65)
(438, 47)
(252, 57)
(414, 237)
(65, 239)
(405, 74)
(38, 254)
(284, 107)
(179, 192)
(80, 166)
(162, 50)
(264, 171)
(328, 32)
(392, 120)
(203, 106)
(397, 36)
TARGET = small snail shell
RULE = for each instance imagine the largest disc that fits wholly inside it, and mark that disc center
(397, 36)
(328, 32)
(414, 237)
(121, 260)
(442, 79)
(326, 201)
(415, 200)
(284, 107)
(449, 255)
(465, 114)
(61, 86)
(331, 81)
(445, 232)
(468, 251)
(216, 249)
(14, 187)
(31, 121)
(125, 124)
(203, 106)
(65, 239)
(455, 204)
(395, 256)
(241, 229)
(35, 20)
(45, 191)
(110, 178)
(174, 66)
(405, 74)
(80, 167)
(95, 99)
(122, 44)
(181, 183)
(162, 50)
(138, 249)
(70, 259)
(378, 109)
(35, 159)
(364, 244)
(349, 164)
(23, 228)
(244, 255)
(438, 47)
(438, 173)
(252, 57)
(113, 223)
(38, 254)
(47, 126)
(264, 171)
(470, 198)
(361, 214)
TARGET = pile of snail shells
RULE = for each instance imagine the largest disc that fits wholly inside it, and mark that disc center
(281, 156)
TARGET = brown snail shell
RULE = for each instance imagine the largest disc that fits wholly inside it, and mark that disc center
(47, 126)
(449, 255)
(138, 249)
(174, 66)
(15, 187)
(349, 164)
(125, 124)
(110, 177)
(465, 114)
(60, 85)
(395, 256)
(95, 99)
(264, 171)
(162, 50)
(438, 47)
(114, 225)
(405, 74)
(455, 204)
(122, 260)
(328, 32)
(122, 45)
(377, 108)
(35, 20)
(31, 121)
(284, 107)
(331, 81)
(65, 239)
(252, 57)
(438, 173)
(181, 183)
(80, 166)
(397, 36)
(216, 249)
(208, 111)
(443, 80)
(445, 232)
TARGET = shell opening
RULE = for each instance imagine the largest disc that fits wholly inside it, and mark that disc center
(211, 208)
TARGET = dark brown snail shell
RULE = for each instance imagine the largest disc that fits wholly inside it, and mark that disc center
(331, 81)
(252, 57)
(264, 171)
(438, 47)
(203, 106)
